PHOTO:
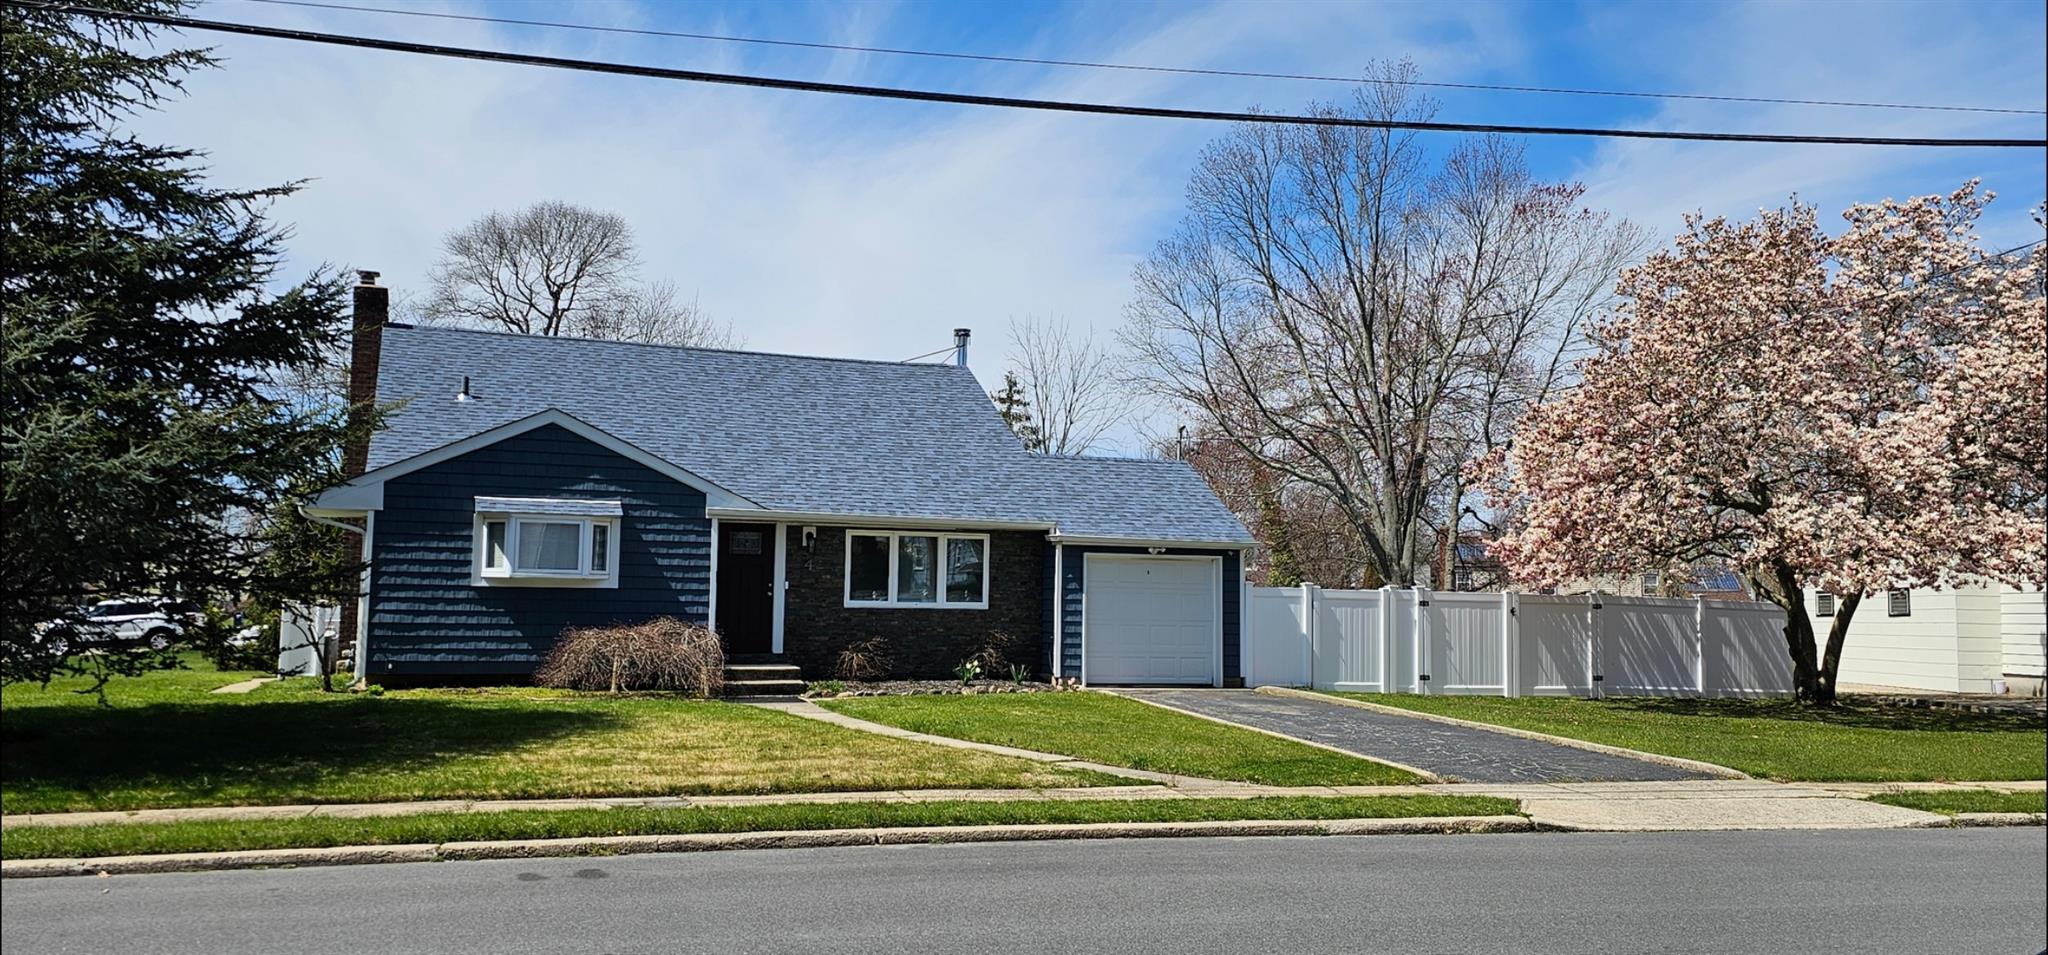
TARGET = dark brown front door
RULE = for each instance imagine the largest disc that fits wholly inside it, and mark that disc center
(746, 587)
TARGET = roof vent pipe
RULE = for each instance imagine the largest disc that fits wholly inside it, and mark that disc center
(463, 395)
(960, 346)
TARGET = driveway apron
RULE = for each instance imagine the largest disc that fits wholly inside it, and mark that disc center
(1457, 753)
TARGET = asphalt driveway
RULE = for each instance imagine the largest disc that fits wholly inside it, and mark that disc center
(1456, 753)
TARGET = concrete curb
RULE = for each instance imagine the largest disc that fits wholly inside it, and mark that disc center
(714, 842)
(1978, 819)
(1712, 769)
(1425, 775)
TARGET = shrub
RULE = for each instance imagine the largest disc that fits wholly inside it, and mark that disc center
(993, 652)
(864, 660)
(824, 688)
(215, 637)
(661, 654)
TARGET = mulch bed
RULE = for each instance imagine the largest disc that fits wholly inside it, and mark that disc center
(927, 687)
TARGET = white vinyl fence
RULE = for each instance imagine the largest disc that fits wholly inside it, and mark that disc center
(1512, 644)
(305, 638)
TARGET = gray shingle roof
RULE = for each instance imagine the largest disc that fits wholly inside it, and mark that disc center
(815, 435)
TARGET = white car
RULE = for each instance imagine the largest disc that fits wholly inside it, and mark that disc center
(125, 624)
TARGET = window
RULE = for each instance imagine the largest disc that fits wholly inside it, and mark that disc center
(1824, 605)
(911, 569)
(1899, 603)
(541, 542)
(1651, 581)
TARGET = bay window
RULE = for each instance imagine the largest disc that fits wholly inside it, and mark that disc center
(542, 541)
(916, 569)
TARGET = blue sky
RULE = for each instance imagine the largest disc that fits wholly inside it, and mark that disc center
(864, 228)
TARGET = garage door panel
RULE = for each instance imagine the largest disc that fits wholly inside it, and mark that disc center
(1151, 620)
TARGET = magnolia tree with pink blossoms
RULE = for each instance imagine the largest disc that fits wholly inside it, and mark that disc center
(1847, 414)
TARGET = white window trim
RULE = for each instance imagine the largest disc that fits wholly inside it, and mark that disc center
(945, 539)
(482, 575)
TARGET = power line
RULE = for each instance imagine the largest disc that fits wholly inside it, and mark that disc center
(1007, 102)
(1132, 67)
(942, 351)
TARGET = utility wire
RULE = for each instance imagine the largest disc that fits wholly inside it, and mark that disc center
(967, 99)
(1132, 67)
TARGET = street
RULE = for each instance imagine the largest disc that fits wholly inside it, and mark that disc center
(1979, 890)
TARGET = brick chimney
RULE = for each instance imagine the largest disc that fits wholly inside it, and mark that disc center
(366, 347)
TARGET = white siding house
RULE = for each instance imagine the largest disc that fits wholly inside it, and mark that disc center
(1962, 640)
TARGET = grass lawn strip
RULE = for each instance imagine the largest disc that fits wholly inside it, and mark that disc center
(1118, 732)
(44, 842)
(1951, 802)
(167, 741)
(1775, 739)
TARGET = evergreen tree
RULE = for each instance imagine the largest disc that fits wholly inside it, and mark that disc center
(1016, 412)
(143, 439)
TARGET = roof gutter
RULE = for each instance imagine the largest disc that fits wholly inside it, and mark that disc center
(1149, 542)
(308, 514)
(872, 520)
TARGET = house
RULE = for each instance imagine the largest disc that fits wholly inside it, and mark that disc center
(797, 505)
(1710, 582)
(1973, 638)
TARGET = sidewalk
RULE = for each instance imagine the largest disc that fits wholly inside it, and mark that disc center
(1627, 806)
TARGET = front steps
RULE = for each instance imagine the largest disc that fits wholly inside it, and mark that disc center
(763, 679)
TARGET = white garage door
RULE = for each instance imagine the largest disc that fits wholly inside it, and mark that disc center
(1150, 620)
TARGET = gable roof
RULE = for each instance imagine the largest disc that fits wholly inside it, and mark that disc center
(788, 433)
(367, 490)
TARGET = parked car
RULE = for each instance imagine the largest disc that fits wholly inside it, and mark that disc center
(186, 612)
(124, 624)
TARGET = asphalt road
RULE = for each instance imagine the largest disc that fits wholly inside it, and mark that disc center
(1732, 892)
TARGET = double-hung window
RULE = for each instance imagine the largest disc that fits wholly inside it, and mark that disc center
(916, 569)
(547, 541)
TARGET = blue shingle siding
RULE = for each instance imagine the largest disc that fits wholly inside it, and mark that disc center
(1074, 583)
(426, 619)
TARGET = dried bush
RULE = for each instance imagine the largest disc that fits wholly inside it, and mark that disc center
(993, 652)
(661, 654)
(863, 660)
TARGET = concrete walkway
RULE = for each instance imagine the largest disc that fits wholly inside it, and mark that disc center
(244, 686)
(1697, 804)
(1455, 753)
(812, 711)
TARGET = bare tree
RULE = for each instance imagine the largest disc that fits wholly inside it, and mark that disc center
(1361, 318)
(1071, 380)
(657, 315)
(554, 268)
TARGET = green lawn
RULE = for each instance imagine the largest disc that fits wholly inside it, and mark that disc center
(166, 742)
(1967, 800)
(1120, 732)
(69, 842)
(1776, 738)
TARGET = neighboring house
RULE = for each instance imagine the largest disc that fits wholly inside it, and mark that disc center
(1968, 639)
(1711, 583)
(1473, 565)
(526, 484)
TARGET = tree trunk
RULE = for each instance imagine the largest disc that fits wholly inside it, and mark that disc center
(1831, 660)
(1782, 588)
